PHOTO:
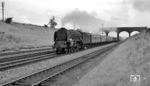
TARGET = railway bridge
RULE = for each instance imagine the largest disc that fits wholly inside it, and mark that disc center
(118, 30)
(129, 30)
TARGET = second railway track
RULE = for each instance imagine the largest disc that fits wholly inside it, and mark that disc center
(16, 60)
(23, 61)
(38, 78)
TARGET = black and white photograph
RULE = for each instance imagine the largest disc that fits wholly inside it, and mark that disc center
(74, 42)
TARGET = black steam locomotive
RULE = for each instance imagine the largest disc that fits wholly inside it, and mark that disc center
(67, 41)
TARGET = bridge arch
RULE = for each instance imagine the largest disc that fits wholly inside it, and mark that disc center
(134, 33)
(112, 33)
(129, 30)
(124, 34)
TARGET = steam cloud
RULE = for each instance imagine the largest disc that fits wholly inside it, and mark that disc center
(87, 22)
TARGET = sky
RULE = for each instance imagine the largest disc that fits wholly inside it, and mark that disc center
(88, 15)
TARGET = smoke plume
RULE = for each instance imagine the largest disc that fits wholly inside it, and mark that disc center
(86, 21)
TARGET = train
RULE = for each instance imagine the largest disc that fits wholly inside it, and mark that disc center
(66, 41)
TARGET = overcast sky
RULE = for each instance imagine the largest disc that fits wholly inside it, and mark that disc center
(82, 13)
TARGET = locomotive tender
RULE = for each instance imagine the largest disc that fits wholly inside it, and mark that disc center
(73, 40)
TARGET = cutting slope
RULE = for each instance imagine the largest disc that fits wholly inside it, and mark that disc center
(130, 58)
(18, 36)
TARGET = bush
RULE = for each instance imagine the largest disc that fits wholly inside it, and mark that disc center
(8, 20)
(45, 25)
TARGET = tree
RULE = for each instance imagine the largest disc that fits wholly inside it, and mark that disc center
(106, 32)
(52, 22)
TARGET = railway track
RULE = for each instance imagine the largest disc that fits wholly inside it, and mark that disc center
(25, 51)
(40, 77)
(23, 61)
(16, 59)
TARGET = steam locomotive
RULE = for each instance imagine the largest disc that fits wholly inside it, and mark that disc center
(67, 41)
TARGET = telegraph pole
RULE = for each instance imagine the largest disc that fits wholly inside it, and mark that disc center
(74, 25)
(3, 5)
(102, 26)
